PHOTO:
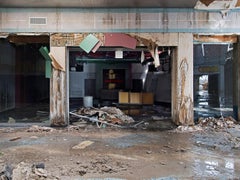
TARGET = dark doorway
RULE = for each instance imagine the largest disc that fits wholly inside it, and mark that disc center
(26, 91)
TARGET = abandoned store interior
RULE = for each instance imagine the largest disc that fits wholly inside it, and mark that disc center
(178, 60)
(112, 76)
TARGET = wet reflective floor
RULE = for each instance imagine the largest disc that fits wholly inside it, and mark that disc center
(124, 154)
(211, 105)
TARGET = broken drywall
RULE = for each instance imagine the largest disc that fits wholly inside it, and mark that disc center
(216, 4)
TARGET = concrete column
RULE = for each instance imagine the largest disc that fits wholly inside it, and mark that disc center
(221, 83)
(236, 82)
(182, 81)
(59, 92)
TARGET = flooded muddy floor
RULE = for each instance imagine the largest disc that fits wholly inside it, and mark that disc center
(114, 153)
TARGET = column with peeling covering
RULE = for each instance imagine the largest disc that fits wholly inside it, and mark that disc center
(58, 86)
(182, 77)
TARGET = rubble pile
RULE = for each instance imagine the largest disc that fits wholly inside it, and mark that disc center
(209, 122)
(188, 128)
(111, 115)
(217, 123)
(26, 171)
(36, 128)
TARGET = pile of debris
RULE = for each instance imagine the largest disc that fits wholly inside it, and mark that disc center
(209, 122)
(26, 171)
(218, 123)
(36, 128)
(106, 115)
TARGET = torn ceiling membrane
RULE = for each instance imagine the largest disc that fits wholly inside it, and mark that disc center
(120, 39)
(217, 4)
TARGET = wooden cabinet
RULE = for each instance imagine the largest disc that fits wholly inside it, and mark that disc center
(135, 98)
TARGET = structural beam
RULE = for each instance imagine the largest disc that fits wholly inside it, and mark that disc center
(58, 93)
(236, 82)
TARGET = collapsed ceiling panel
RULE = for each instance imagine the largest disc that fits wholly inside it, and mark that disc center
(206, 2)
(120, 39)
(217, 4)
(89, 43)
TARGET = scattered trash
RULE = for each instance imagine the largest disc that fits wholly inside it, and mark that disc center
(106, 115)
(11, 120)
(6, 173)
(83, 145)
(157, 118)
(26, 171)
(15, 138)
(188, 128)
(209, 122)
(39, 165)
(218, 123)
(36, 128)
(149, 152)
(135, 125)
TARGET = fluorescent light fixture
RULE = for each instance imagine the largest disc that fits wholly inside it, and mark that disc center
(118, 54)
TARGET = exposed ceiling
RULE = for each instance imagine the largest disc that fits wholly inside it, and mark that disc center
(100, 3)
(197, 4)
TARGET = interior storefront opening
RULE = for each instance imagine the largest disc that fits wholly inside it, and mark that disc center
(105, 77)
(213, 84)
(24, 90)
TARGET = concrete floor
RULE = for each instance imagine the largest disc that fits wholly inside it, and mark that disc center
(121, 153)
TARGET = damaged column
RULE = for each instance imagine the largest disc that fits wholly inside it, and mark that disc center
(58, 86)
(182, 81)
(236, 82)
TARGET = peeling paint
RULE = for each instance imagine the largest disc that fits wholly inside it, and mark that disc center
(185, 113)
(58, 121)
(183, 70)
(216, 4)
(186, 102)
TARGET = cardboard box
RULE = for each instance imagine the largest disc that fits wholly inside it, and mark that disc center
(123, 97)
(135, 98)
(147, 98)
